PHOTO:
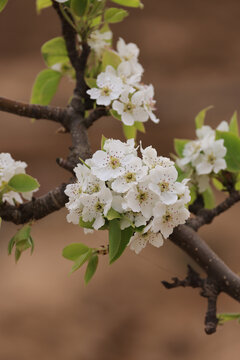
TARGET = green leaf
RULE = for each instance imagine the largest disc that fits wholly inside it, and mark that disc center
(23, 183)
(217, 184)
(114, 15)
(129, 3)
(130, 132)
(110, 58)
(45, 86)
(227, 317)
(179, 145)
(113, 214)
(79, 7)
(86, 224)
(232, 144)
(3, 3)
(103, 139)
(91, 82)
(139, 126)
(115, 114)
(91, 268)
(233, 125)
(126, 234)
(54, 51)
(23, 245)
(114, 238)
(42, 4)
(193, 194)
(81, 260)
(208, 198)
(22, 241)
(74, 251)
(11, 245)
(23, 233)
(199, 119)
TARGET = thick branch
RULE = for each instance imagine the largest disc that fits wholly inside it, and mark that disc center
(36, 208)
(189, 241)
(56, 114)
(205, 216)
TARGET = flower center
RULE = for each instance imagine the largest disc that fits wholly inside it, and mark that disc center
(142, 196)
(167, 217)
(99, 207)
(114, 162)
(129, 107)
(130, 177)
(164, 186)
(211, 159)
(105, 91)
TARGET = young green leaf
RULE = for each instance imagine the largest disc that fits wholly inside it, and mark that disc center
(130, 132)
(232, 144)
(23, 183)
(54, 51)
(179, 145)
(92, 83)
(23, 233)
(42, 4)
(86, 224)
(79, 7)
(208, 198)
(74, 251)
(115, 114)
(45, 86)
(114, 238)
(103, 139)
(3, 3)
(110, 58)
(139, 126)
(91, 268)
(129, 3)
(199, 119)
(233, 125)
(114, 15)
(81, 260)
(217, 184)
(113, 214)
(126, 234)
(227, 317)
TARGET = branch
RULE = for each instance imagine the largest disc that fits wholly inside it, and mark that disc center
(209, 291)
(206, 216)
(56, 114)
(189, 241)
(36, 208)
(95, 115)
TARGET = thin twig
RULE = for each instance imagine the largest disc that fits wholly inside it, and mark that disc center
(95, 115)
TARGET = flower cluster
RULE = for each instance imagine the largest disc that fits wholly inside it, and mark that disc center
(121, 88)
(204, 156)
(142, 191)
(8, 168)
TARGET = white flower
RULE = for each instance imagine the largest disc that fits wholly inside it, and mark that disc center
(212, 159)
(223, 126)
(130, 108)
(99, 40)
(134, 173)
(150, 158)
(141, 199)
(149, 102)
(162, 182)
(132, 219)
(202, 182)
(127, 52)
(109, 87)
(96, 206)
(182, 191)
(139, 240)
(167, 217)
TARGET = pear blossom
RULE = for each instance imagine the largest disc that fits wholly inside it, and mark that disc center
(142, 193)
(109, 88)
(130, 108)
(212, 159)
(128, 52)
(149, 102)
(98, 41)
(139, 240)
(167, 217)
(8, 168)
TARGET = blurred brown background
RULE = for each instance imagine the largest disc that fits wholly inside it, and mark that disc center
(191, 53)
